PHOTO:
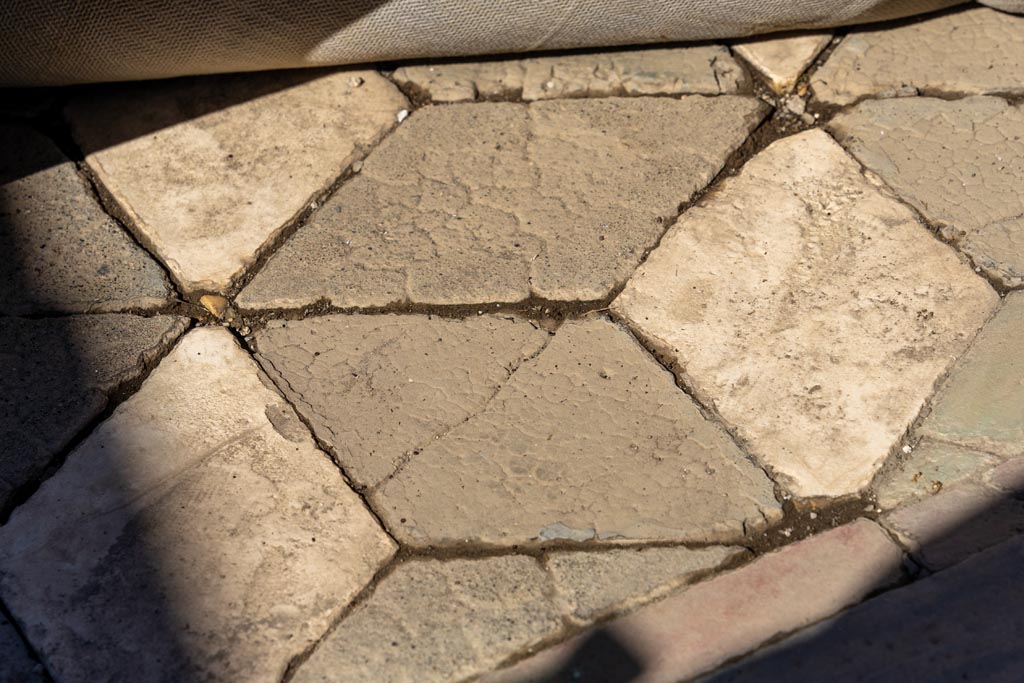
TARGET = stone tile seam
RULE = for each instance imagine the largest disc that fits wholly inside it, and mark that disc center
(33, 654)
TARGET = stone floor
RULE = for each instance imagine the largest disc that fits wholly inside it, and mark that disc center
(631, 365)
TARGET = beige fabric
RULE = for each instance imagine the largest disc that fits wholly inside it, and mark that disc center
(70, 41)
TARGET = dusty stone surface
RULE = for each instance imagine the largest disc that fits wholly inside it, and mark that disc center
(811, 309)
(432, 621)
(594, 584)
(704, 69)
(209, 169)
(976, 51)
(61, 252)
(981, 405)
(16, 664)
(57, 374)
(377, 389)
(196, 534)
(959, 163)
(1008, 476)
(506, 209)
(783, 58)
(717, 620)
(591, 440)
(932, 466)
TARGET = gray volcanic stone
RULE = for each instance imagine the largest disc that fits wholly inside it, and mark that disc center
(930, 468)
(16, 665)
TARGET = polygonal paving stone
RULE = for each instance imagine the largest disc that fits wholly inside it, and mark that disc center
(377, 389)
(16, 664)
(931, 466)
(782, 59)
(703, 69)
(981, 405)
(198, 534)
(556, 199)
(591, 440)
(57, 374)
(976, 51)
(61, 252)
(960, 163)
(209, 169)
(433, 621)
(811, 309)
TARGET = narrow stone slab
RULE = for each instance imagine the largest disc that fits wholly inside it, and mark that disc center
(61, 252)
(57, 375)
(975, 51)
(718, 620)
(209, 169)
(505, 209)
(931, 467)
(591, 440)
(378, 389)
(783, 58)
(981, 405)
(702, 69)
(959, 163)
(16, 664)
(198, 534)
(810, 309)
(432, 622)
(595, 584)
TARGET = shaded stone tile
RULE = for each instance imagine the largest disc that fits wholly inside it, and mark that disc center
(380, 388)
(592, 440)
(57, 374)
(703, 69)
(1008, 476)
(209, 169)
(16, 664)
(712, 622)
(196, 534)
(981, 405)
(932, 466)
(966, 623)
(975, 51)
(811, 309)
(960, 163)
(595, 584)
(61, 252)
(507, 208)
(782, 58)
(438, 621)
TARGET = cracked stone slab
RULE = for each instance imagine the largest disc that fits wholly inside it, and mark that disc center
(433, 621)
(960, 163)
(783, 58)
(811, 309)
(976, 51)
(377, 389)
(930, 468)
(703, 69)
(16, 664)
(506, 209)
(589, 441)
(61, 252)
(196, 534)
(209, 169)
(57, 375)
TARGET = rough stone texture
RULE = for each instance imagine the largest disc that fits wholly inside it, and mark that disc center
(975, 51)
(965, 624)
(981, 405)
(377, 389)
(57, 373)
(932, 466)
(703, 69)
(61, 252)
(783, 58)
(594, 584)
(208, 169)
(712, 622)
(432, 621)
(198, 534)
(959, 163)
(506, 209)
(1008, 477)
(16, 665)
(811, 309)
(591, 440)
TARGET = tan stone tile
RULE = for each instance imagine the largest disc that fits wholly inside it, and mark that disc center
(782, 58)
(196, 534)
(208, 169)
(931, 466)
(810, 309)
